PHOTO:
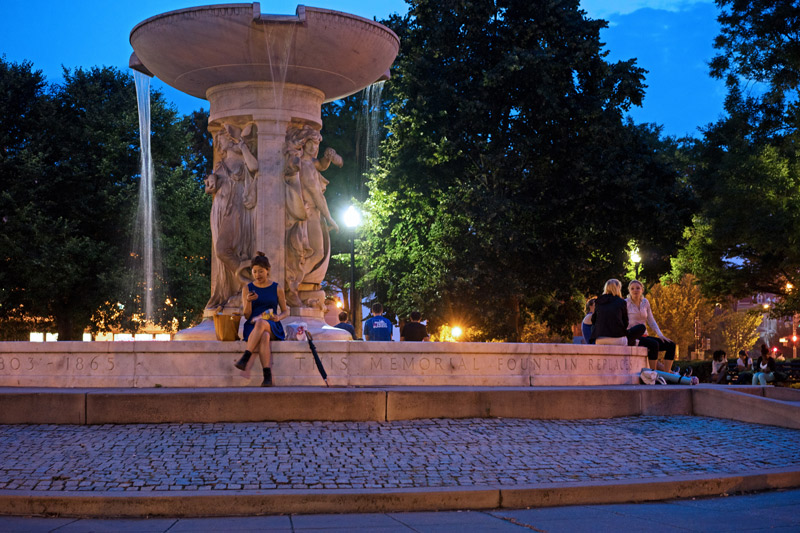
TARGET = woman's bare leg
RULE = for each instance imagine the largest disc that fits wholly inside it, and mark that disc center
(255, 336)
(264, 349)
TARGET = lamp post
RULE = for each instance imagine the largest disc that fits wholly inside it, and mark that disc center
(352, 219)
(789, 288)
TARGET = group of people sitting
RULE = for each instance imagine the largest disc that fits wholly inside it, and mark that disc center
(379, 328)
(612, 319)
(760, 373)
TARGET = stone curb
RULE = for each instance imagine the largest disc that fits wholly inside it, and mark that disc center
(254, 503)
(154, 406)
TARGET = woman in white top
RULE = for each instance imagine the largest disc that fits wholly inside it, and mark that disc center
(639, 312)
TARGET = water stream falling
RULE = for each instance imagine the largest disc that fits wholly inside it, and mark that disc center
(146, 239)
(369, 134)
(279, 48)
(372, 114)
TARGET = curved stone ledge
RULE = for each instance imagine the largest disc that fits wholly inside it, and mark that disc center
(210, 364)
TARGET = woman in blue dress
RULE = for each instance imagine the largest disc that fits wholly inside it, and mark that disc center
(261, 302)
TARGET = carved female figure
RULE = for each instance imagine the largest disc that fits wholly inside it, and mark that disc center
(233, 186)
(308, 219)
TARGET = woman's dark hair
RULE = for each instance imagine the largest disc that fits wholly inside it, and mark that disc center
(743, 354)
(719, 355)
(589, 303)
(764, 349)
(260, 260)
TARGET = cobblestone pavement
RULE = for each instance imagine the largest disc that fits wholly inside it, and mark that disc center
(372, 455)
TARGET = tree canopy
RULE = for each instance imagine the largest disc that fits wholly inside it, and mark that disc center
(746, 176)
(510, 181)
(70, 169)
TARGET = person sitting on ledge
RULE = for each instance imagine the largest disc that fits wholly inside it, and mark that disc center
(586, 325)
(260, 302)
(765, 367)
(610, 318)
(345, 325)
(641, 314)
(377, 327)
(719, 367)
(744, 364)
(414, 331)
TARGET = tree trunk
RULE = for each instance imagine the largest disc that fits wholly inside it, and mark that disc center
(65, 327)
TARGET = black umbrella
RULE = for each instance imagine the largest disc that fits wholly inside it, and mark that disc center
(317, 360)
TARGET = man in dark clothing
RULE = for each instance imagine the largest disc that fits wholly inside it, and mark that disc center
(414, 331)
(343, 324)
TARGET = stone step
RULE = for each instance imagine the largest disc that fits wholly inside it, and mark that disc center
(162, 405)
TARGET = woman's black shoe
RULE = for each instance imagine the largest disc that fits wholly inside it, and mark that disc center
(241, 364)
(267, 378)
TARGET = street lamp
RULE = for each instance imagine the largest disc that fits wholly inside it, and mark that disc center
(637, 260)
(352, 219)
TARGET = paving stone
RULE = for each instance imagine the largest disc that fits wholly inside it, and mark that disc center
(381, 455)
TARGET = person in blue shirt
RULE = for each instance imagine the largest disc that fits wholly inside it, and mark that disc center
(343, 324)
(377, 327)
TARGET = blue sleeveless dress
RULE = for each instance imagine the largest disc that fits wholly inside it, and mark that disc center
(267, 299)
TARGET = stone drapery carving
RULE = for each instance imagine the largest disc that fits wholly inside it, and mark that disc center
(308, 219)
(233, 187)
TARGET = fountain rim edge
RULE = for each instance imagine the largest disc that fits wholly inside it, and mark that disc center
(260, 17)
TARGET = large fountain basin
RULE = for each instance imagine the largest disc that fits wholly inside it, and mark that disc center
(198, 48)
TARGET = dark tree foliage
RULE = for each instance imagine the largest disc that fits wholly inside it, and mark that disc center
(510, 181)
(347, 129)
(70, 179)
(745, 238)
(759, 44)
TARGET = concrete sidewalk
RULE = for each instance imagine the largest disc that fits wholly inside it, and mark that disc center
(773, 511)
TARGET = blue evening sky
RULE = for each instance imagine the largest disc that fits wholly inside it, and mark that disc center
(672, 39)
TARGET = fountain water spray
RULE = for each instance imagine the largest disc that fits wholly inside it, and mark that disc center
(146, 240)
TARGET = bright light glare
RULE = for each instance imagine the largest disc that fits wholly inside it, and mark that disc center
(635, 257)
(456, 332)
(352, 218)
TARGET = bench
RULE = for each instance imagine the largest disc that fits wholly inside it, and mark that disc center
(791, 369)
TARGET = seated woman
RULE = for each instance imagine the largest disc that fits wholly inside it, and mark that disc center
(764, 368)
(744, 365)
(261, 301)
(610, 318)
(586, 325)
(719, 367)
(640, 313)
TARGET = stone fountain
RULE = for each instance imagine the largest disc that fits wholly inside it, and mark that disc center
(266, 78)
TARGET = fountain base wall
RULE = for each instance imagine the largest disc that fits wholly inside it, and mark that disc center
(361, 364)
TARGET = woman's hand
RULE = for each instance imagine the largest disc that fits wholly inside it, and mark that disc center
(251, 296)
(664, 338)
